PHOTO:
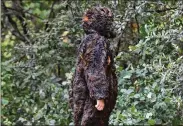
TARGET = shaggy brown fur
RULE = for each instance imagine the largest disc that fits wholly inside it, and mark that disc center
(94, 76)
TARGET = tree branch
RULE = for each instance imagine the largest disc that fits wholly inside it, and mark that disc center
(51, 12)
(160, 11)
(15, 31)
(23, 11)
(21, 16)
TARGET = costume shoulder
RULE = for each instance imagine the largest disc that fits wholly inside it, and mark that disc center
(89, 42)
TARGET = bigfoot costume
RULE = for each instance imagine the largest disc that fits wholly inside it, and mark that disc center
(94, 77)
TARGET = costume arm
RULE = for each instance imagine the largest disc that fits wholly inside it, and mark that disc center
(96, 74)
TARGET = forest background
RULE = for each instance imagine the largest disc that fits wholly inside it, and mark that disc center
(39, 39)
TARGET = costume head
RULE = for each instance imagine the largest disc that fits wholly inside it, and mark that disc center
(98, 19)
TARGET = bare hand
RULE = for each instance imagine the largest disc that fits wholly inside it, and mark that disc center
(100, 105)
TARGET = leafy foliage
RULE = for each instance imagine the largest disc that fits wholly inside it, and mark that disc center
(38, 56)
(150, 90)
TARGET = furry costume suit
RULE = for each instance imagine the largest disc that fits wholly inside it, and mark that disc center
(94, 77)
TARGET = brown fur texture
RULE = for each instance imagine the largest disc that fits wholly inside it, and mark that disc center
(94, 77)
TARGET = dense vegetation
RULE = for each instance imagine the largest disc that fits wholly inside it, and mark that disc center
(39, 42)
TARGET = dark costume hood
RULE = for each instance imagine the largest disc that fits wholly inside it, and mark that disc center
(98, 20)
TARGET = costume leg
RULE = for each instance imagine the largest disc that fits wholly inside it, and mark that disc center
(78, 112)
(88, 113)
(93, 117)
(79, 97)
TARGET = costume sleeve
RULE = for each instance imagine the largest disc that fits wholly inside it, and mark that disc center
(97, 83)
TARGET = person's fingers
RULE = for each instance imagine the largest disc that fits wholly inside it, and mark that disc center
(100, 105)
(100, 108)
(96, 106)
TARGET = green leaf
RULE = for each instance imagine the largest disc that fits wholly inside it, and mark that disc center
(38, 115)
(148, 115)
(151, 122)
(126, 74)
(136, 96)
(129, 91)
(142, 98)
(4, 101)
